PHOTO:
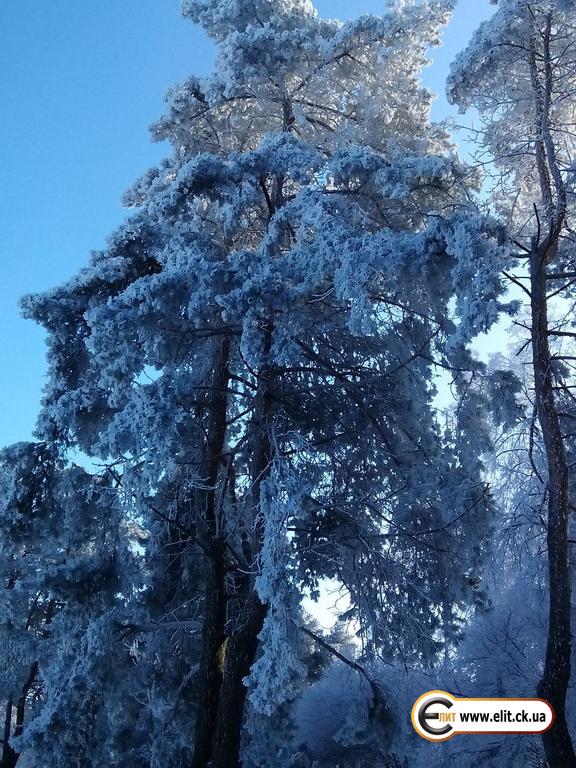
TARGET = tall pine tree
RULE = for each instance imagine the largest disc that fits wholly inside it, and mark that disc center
(252, 362)
(519, 72)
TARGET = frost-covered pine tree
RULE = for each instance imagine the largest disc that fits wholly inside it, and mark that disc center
(499, 650)
(519, 72)
(252, 360)
(63, 557)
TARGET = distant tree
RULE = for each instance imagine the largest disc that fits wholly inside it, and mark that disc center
(61, 565)
(519, 72)
(498, 650)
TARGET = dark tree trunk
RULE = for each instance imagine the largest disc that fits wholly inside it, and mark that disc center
(21, 706)
(212, 540)
(242, 645)
(556, 677)
(9, 754)
(210, 673)
(241, 652)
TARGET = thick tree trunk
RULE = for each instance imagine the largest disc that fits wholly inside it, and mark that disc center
(242, 644)
(212, 539)
(241, 652)
(556, 677)
(210, 672)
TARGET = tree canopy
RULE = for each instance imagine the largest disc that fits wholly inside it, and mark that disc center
(265, 392)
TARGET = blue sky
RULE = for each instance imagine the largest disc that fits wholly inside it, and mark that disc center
(80, 81)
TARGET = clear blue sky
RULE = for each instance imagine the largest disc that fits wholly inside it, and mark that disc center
(80, 81)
